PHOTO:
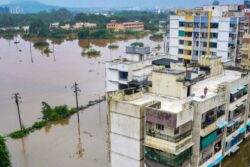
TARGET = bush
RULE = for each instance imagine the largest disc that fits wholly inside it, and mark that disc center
(137, 44)
(39, 125)
(157, 36)
(4, 154)
(113, 46)
(91, 52)
(47, 51)
(41, 44)
(57, 113)
(20, 133)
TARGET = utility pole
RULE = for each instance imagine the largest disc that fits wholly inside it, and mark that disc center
(76, 90)
(17, 98)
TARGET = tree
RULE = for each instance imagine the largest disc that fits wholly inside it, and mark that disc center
(83, 33)
(39, 28)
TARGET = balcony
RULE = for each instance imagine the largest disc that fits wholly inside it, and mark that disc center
(166, 158)
(169, 147)
(212, 126)
(188, 29)
(187, 47)
(187, 38)
(187, 57)
(211, 117)
(162, 136)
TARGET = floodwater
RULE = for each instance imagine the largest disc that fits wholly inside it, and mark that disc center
(39, 77)
(240, 158)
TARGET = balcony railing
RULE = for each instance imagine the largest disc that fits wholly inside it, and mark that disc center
(210, 119)
(168, 138)
(168, 159)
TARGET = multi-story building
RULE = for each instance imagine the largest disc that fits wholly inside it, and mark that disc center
(126, 26)
(209, 30)
(4, 10)
(131, 70)
(190, 116)
(245, 52)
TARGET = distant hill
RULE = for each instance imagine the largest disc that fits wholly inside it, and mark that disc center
(29, 6)
(33, 6)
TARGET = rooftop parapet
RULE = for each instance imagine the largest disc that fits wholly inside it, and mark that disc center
(137, 50)
(126, 94)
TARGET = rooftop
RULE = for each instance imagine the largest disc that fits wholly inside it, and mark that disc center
(171, 71)
(175, 105)
(212, 84)
(164, 62)
(168, 104)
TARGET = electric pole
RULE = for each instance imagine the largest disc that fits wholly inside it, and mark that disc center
(17, 98)
(76, 90)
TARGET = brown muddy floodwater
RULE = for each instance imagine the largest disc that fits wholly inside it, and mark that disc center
(241, 158)
(39, 77)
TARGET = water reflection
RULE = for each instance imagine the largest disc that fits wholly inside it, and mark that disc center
(80, 149)
(25, 156)
(31, 56)
(63, 122)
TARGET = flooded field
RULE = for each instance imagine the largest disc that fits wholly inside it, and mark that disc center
(39, 77)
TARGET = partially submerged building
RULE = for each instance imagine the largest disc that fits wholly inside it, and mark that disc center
(131, 70)
(190, 116)
(125, 26)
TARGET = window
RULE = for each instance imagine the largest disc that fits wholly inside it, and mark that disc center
(214, 25)
(123, 75)
(181, 24)
(180, 51)
(213, 45)
(181, 42)
(160, 127)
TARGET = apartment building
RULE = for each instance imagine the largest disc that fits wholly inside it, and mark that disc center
(126, 26)
(245, 52)
(131, 70)
(209, 30)
(191, 116)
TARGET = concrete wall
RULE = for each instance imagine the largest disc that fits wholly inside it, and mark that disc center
(126, 134)
(122, 161)
(184, 117)
(126, 146)
(174, 34)
(166, 84)
(223, 38)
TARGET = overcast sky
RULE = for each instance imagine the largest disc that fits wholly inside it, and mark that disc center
(134, 3)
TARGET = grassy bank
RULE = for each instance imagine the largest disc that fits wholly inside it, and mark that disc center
(50, 114)
(4, 154)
